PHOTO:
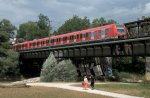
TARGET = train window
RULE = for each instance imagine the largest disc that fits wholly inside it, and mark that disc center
(33, 44)
(99, 32)
(65, 38)
(68, 37)
(103, 31)
(106, 31)
(47, 41)
(75, 36)
(81, 36)
(87, 35)
(50, 41)
(43, 42)
(23, 46)
(93, 33)
(54, 40)
(71, 37)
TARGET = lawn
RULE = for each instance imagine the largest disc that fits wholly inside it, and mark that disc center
(44, 92)
(135, 89)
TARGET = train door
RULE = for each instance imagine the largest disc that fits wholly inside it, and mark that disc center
(83, 36)
(92, 35)
(75, 38)
(103, 33)
(61, 40)
(68, 38)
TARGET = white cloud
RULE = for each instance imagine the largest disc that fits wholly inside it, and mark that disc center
(147, 8)
(20, 11)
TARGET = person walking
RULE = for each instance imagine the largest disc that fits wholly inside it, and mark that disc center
(92, 82)
(85, 83)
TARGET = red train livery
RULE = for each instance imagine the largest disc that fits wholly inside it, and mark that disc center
(105, 33)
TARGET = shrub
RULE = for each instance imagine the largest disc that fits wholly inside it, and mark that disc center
(62, 71)
(9, 65)
(65, 71)
(47, 67)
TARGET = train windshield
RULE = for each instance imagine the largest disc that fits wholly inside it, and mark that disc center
(120, 29)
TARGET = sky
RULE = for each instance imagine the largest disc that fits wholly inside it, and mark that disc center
(58, 11)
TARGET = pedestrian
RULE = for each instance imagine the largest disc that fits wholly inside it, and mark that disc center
(92, 82)
(85, 83)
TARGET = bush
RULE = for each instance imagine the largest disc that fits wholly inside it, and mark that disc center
(131, 76)
(9, 65)
(124, 76)
(47, 67)
(116, 75)
(63, 71)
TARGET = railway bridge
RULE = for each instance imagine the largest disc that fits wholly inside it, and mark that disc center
(89, 57)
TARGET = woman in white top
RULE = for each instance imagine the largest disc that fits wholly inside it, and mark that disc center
(85, 84)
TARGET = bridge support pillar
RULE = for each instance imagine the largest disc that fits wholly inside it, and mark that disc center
(106, 65)
(147, 65)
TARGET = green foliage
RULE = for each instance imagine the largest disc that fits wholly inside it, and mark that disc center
(47, 67)
(63, 71)
(132, 76)
(4, 36)
(44, 26)
(8, 58)
(34, 30)
(129, 64)
(101, 21)
(28, 31)
(8, 65)
(5, 25)
(5, 30)
(74, 24)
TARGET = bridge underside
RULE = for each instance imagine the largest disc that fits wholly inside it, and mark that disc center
(88, 57)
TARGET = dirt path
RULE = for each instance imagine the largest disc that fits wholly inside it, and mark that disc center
(69, 87)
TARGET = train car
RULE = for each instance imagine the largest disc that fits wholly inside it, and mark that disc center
(38, 43)
(21, 46)
(104, 33)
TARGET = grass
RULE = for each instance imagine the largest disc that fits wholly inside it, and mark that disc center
(135, 89)
(132, 76)
(44, 92)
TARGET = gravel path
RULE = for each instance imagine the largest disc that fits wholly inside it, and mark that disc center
(69, 87)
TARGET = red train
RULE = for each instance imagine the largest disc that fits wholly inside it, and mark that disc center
(107, 32)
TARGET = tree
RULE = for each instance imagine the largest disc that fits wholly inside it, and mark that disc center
(8, 58)
(34, 30)
(74, 24)
(28, 31)
(5, 25)
(44, 26)
(101, 21)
